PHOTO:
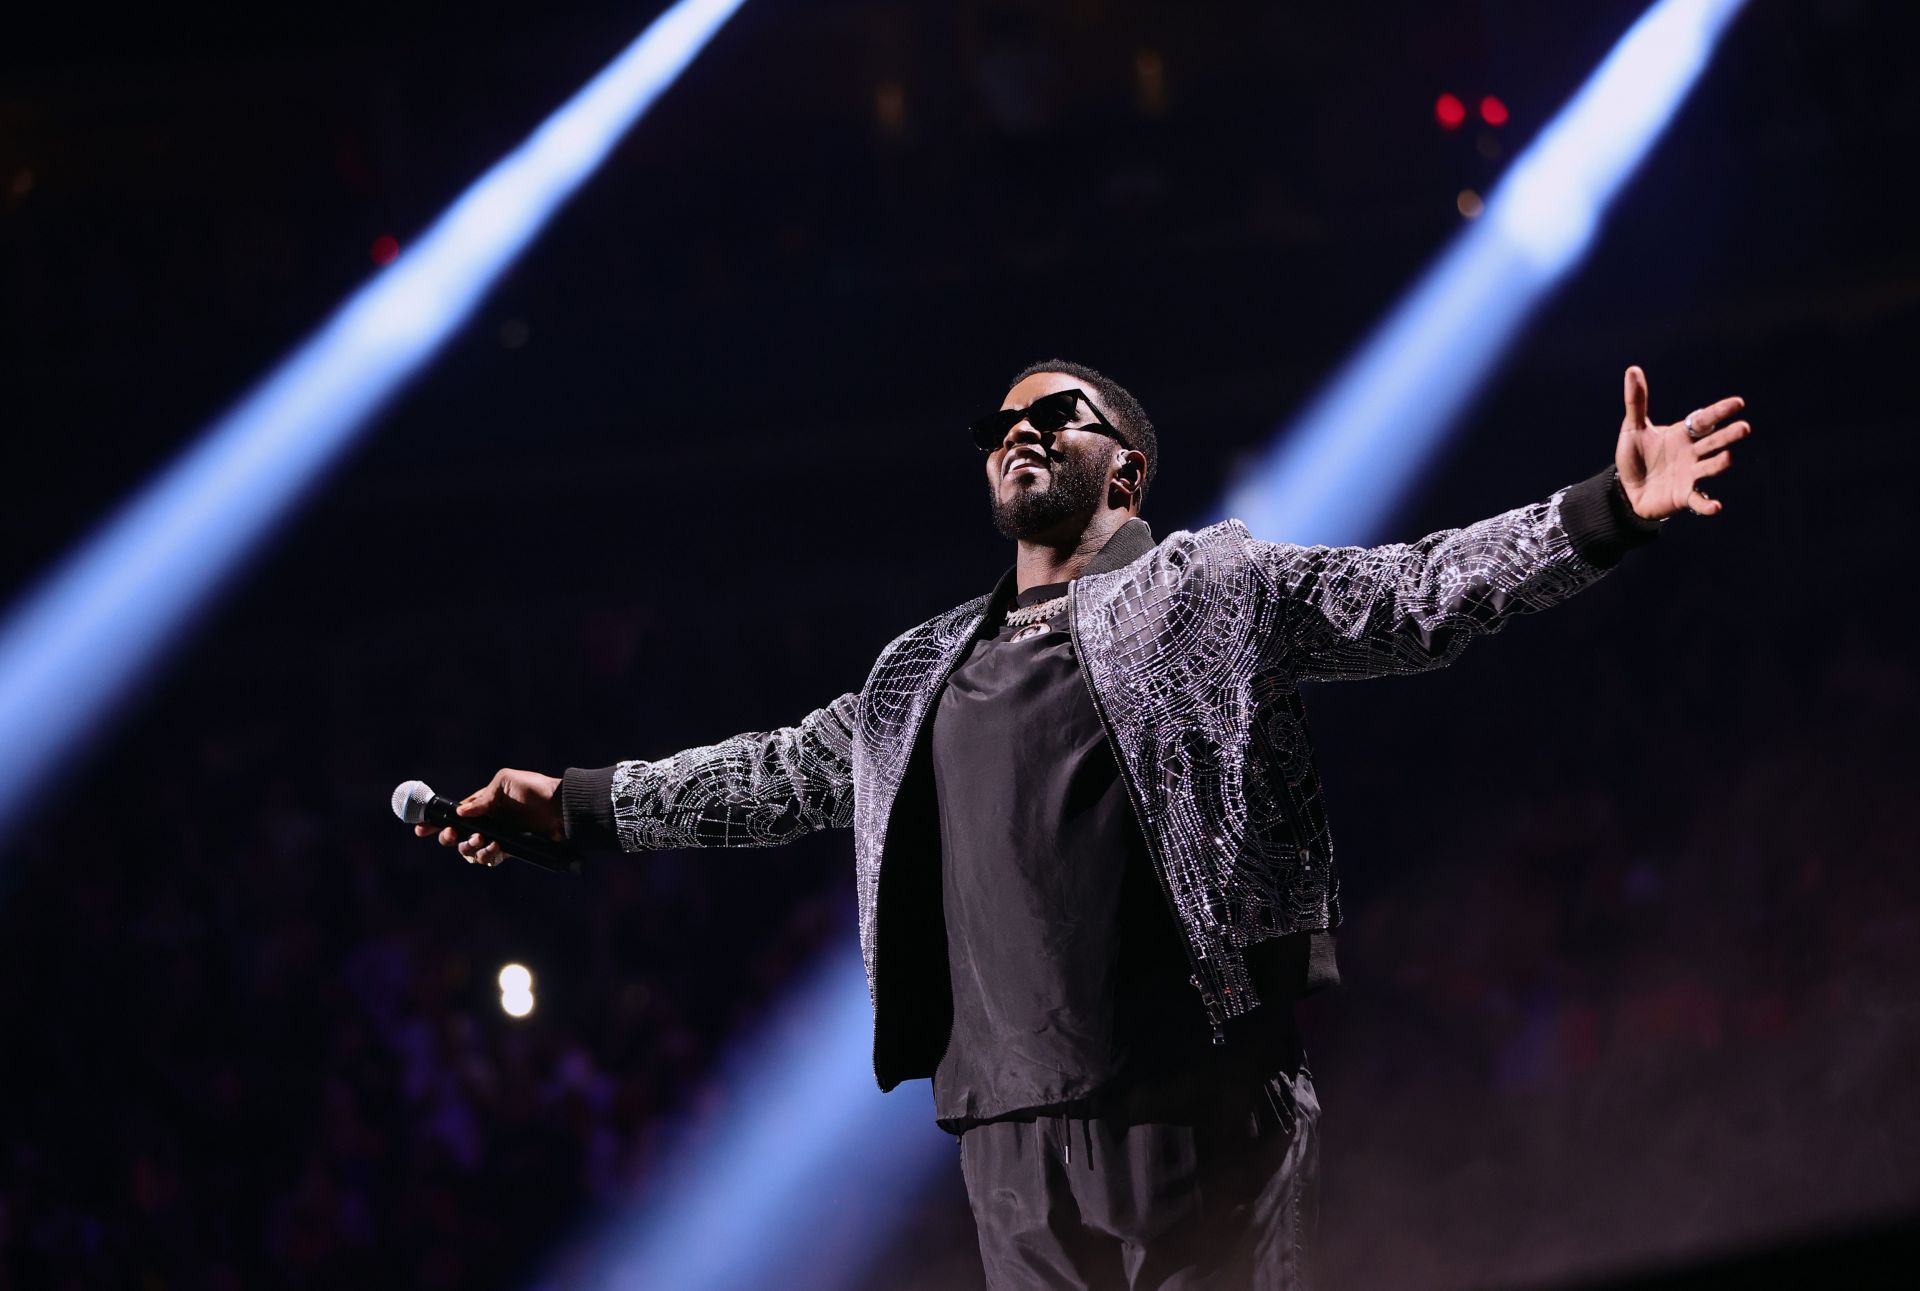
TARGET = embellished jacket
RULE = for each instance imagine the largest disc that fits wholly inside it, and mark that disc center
(1193, 648)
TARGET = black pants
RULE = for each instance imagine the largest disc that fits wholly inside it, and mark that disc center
(1223, 1200)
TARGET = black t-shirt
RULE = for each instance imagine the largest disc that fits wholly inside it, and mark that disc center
(1070, 978)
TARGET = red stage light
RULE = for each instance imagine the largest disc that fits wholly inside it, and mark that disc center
(1493, 111)
(1449, 112)
(385, 248)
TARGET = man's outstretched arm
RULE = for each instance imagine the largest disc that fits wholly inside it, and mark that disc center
(753, 790)
(1351, 612)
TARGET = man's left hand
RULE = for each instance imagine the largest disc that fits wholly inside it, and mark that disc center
(1661, 466)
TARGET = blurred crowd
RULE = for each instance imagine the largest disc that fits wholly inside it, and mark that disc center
(1656, 1005)
(254, 1032)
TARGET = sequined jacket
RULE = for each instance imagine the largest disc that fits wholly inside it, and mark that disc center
(1192, 648)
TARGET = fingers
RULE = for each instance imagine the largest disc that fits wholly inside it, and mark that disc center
(1705, 419)
(480, 850)
(1715, 454)
(1635, 393)
(1713, 466)
(1711, 444)
(476, 848)
(477, 802)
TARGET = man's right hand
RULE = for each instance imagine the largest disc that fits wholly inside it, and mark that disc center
(522, 800)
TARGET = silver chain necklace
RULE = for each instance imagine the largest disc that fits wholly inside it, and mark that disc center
(1020, 618)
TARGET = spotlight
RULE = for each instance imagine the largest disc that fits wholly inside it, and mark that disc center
(516, 990)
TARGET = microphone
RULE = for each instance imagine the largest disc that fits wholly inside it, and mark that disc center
(417, 804)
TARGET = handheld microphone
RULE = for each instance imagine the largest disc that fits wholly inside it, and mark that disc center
(417, 804)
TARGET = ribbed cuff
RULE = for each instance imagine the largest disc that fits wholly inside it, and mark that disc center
(586, 803)
(1601, 522)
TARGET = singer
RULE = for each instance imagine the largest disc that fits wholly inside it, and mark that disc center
(1092, 860)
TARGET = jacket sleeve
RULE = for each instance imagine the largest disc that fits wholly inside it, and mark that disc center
(754, 790)
(1353, 612)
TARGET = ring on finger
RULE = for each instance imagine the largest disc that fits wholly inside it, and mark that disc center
(1692, 433)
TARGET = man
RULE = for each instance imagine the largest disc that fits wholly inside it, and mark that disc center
(1087, 806)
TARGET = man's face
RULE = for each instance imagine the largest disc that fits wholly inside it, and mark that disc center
(1038, 492)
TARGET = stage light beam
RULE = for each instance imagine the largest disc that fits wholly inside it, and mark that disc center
(802, 1179)
(77, 641)
(1337, 473)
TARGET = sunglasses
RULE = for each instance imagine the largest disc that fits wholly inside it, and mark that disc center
(1049, 414)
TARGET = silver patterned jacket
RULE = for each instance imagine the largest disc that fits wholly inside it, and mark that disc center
(1192, 649)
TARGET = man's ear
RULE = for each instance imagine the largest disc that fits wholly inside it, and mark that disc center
(1129, 475)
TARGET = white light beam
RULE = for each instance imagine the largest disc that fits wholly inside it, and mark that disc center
(74, 644)
(1336, 474)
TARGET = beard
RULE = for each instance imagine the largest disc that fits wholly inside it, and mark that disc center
(1075, 486)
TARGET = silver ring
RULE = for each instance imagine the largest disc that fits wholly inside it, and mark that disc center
(1691, 432)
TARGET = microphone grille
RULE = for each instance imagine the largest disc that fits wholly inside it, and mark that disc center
(410, 801)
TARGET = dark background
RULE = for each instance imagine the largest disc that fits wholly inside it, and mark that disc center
(1633, 915)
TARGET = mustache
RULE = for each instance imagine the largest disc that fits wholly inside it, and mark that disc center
(1029, 453)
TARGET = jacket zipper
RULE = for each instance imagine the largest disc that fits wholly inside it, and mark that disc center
(1158, 865)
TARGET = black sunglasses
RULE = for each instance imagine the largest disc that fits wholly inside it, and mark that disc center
(1048, 414)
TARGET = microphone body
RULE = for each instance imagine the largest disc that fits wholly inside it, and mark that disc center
(417, 804)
